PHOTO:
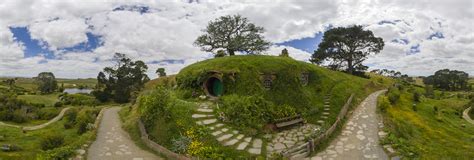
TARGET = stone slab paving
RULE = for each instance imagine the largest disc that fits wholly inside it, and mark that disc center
(359, 137)
(113, 143)
(287, 139)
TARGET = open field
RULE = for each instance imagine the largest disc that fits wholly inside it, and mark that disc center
(47, 99)
(29, 83)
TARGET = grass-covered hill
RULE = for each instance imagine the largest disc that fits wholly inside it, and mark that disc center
(167, 104)
(242, 76)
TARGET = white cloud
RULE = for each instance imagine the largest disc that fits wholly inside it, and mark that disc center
(169, 30)
(60, 33)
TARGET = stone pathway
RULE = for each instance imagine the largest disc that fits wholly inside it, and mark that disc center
(31, 128)
(359, 138)
(225, 135)
(288, 139)
(113, 143)
(465, 115)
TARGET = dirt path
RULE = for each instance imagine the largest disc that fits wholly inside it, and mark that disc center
(465, 115)
(31, 128)
(359, 137)
(113, 143)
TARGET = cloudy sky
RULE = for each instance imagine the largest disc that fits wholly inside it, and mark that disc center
(76, 39)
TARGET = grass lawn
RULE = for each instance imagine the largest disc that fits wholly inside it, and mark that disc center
(47, 99)
(435, 130)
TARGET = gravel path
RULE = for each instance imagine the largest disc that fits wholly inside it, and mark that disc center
(359, 137)
(31, 128)
(466, 116)
(113, 143)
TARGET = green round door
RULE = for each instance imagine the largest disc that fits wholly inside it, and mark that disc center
(217, 87)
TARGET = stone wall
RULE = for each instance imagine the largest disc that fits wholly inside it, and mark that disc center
(156, 147)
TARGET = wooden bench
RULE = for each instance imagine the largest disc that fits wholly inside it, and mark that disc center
(288, 121)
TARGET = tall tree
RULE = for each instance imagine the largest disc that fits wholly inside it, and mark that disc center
(347, 47)
(46, 82)
(121, 80)
(234, 34)
(161, 72)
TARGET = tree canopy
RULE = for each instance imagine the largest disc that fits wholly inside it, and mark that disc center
(161, 72)
(448, 80)
(233, 34)
(346, 48)
(46, 82)
(120, 81)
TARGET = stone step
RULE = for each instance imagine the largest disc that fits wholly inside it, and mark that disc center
(202, 115)
(216, 133)
(206, 121)
(255, 150)
(242, 145)
(240, 136)
(257, 143)
(207, 110)
(326, 102)
(325, 113)
(327, 109)
(248, 139)
(231, 142)
(224, 137)
(204, 105)
(320, 121)
(324, 117)
(327, 106)
(224, 129)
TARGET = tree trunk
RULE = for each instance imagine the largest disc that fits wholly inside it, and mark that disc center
(350, 67)
(230, 52)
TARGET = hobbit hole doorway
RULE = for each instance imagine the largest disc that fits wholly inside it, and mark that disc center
(214, 87)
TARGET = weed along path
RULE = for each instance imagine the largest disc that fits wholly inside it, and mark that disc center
(359, 137)
(113, 143)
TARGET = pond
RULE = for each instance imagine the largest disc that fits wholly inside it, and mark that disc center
(77, 90)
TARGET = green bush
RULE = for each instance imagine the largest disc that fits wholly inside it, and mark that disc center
(19, 117)
(61, 153)
(85, 117)
(384, 103)
(252, 112)
(58, 104)
(393, 95)
(51, 141)
(79, 100)
(47, 113)
(154, 106)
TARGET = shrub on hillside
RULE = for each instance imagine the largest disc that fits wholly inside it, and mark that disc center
(416, 96)
(252, 112)
(51, 141)
(47, 113)
(79, 100)
(84, 119)
(154, 106)
(384, 103)
(70, 117)
(19, 116)
(393, 95)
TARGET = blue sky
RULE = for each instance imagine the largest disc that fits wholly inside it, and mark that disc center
(308, 44)
(34, 47)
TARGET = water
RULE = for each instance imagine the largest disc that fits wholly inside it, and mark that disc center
(76, 90)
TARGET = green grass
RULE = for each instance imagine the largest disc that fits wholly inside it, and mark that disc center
(30, 141)
(427, 134)
(46, 99)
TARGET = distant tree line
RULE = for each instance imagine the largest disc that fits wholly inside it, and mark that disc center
(450, 80)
